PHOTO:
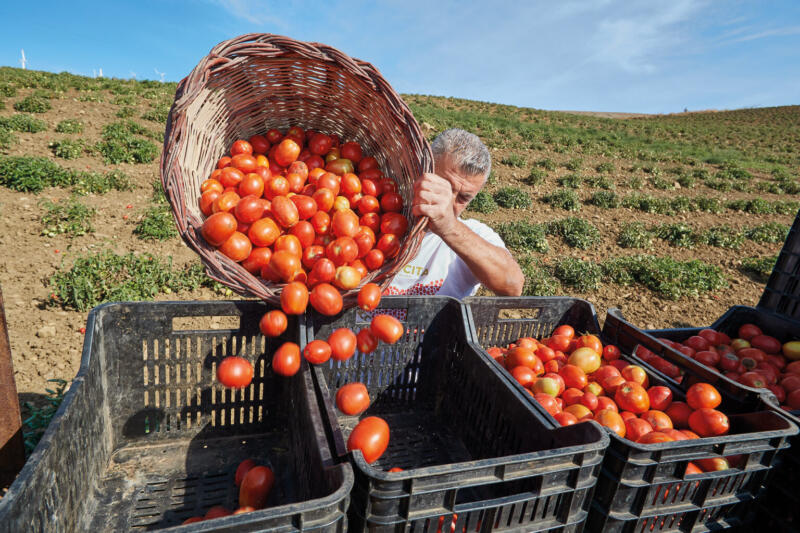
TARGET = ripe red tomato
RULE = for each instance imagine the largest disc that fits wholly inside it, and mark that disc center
(389, 244)
(631, 396)
(321, 222)
(217, 511)
(343, 344)
(276, 186)
(294, 297)
(207, 200)
(286, 361)
(770, 345)
(263, 232)
(679, 413)
(324, 199)
(273, 323)
(660, 397)
(304, 232)
(565, 419)
(750, 379)
(249, 209)
(252, 184)
(235, 372)
(317, 352)
(319, 144)
(231, 177)
(697, 343)
(366, 341)
(371, 437)
(284, 264)
(748, 331)
(243, 468)
(612, 421)
(654, 437)
(260, 144)
(306, 206)
(636, 428)
(241, 147)
(658, 419)
(367, 204)
(386, 328)
(326, 300)
(524, 375)
(611, 352)
(394, 223)
(374, 259)
(218, 228)
(256, 487)
(703, 395)
(287, 152)
(352, 399)
(369, 296)
(284, 211)
(342, 251)
(392, 202)
(347, 277)
(352, 151)
(573, 376)
(237, 247)
(258, 259)
(709, 422)
(345, 223)
(365, 240)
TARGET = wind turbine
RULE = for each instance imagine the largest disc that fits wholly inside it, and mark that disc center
(23, 60)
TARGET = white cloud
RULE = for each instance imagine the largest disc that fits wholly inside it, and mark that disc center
(777, 32)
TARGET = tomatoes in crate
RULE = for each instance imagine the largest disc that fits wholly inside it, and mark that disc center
(588, 381)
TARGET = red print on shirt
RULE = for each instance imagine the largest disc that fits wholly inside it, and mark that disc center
(427, 289)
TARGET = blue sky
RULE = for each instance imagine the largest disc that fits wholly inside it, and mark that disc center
(649, 56)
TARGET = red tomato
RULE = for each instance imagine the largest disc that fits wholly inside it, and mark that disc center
(243, 468)
(218, 511)
(371, 437)
(287, 152)
(374, 259)
(345, 223)
(256, 486)
(548, 402)
(326, 299)
(565, 419)
(389, 244)
(284, 211)
(235, 372)
(748, 331)
(369, 296)
(573, 376)
(660, 397)
(258, 259)
(260, 144)
(317, 352)
(392, 202)
(321, 222)
(276, 186)
(207, 200)
(231, 177)
(658, 419)
(249, 209)
(611, 352)
(702, 395)
(343, 344)
(368, 204)
(750, 379)
(604, 402)
(304, 232)
(631, 396)
(386, 328)
(306, 206)
(237, 247)
(612, 421)
(324, 270)
(679, 413)
(263, 232)
(709, 422)
(294, 297)
(352, 399)
(347, 277)
(636, 428)
(319, 144)
(324, 199)
(654, 437)
(286, 361)
(771, 345)
(352, 151)
(372, 221)
(394, 223)
(273, 323)
(342, 251)
(252, 184)
(366, 341)
(241, 147)
(218, 228)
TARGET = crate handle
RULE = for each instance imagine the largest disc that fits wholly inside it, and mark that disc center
(206, 323)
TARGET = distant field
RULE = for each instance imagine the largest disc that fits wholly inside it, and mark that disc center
(672, 218)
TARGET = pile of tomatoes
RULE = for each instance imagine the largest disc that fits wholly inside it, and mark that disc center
(255, 483)
(291, 208)
(576, 378)
(753, 359)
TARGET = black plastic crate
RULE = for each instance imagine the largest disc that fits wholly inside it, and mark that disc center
(643, 487)
(146, 437)
(476, 456)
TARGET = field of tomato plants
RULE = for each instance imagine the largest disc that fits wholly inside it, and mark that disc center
(671, 218)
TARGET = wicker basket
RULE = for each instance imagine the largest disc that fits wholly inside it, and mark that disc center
(255, 82)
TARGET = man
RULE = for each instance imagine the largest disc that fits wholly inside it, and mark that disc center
(456, 256)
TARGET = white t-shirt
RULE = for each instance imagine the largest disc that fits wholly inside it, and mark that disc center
(437, 269)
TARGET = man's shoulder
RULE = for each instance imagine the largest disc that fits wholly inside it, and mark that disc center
(481, 229)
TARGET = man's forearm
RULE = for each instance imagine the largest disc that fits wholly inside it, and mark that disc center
(494, 266)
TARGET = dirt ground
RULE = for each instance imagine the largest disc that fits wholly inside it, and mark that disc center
(46, 341)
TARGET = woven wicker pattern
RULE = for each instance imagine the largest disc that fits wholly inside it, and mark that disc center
(255, 82)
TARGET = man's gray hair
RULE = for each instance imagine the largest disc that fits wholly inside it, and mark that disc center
(470, 155)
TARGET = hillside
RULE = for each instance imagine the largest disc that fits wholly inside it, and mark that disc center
(671, 218)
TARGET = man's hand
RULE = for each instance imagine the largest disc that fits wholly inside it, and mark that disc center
(433, 197)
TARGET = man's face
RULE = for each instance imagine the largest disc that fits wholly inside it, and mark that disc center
(464, 187)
